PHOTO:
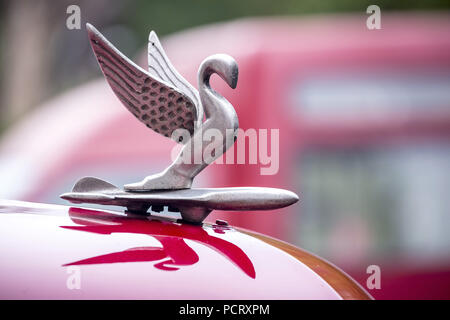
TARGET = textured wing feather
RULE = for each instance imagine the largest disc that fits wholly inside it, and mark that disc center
(160, 66)
(154, 101)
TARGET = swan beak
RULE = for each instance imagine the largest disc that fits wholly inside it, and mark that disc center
(231, 71)
(234, 76)
(222, 64)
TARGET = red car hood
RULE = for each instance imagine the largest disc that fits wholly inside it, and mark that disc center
(115, 256)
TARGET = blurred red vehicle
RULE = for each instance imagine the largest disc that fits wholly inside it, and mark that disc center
(364, 124)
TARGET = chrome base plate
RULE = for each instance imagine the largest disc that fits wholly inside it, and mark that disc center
(194, 204)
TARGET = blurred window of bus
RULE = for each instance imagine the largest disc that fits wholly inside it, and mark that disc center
(375, 198)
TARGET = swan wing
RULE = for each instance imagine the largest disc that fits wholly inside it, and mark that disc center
(160, 66)
(154, 101)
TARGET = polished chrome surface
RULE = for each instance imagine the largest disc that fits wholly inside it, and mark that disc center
(166, 103)
(155, 102)
(193, 204)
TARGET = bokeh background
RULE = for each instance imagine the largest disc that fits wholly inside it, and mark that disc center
(364, 118)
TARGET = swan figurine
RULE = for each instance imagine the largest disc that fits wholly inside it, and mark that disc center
(168, 104)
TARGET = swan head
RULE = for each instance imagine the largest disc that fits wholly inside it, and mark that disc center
(222, 64)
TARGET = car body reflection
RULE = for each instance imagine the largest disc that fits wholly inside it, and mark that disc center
(174, 253)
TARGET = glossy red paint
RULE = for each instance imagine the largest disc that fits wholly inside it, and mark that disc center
(136, 257)
(171, 235)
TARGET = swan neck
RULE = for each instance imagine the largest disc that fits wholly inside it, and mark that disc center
(211, 100)
(204, 76)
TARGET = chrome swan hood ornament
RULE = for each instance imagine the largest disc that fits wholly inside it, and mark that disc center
(165, 102)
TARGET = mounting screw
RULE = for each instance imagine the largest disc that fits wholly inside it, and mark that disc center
(221, 222)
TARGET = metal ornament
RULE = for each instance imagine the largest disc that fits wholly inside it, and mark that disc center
(166, 103)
